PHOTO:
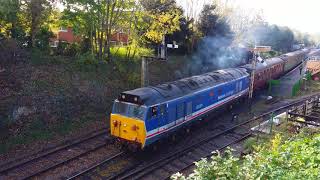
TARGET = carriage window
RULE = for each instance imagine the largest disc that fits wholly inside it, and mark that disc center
(220, 91)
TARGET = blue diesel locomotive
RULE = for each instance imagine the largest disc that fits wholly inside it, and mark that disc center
(145, 115)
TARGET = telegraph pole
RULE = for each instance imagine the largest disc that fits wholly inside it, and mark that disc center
(144, 72)
(162, 57)
(254, 62)
(256, 50)
(146, 60)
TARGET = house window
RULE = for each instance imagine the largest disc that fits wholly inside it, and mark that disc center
(63, 29)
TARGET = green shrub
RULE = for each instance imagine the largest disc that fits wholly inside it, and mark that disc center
(293, 158)
(43, 38)
(72, 49)
(87, 59)
(62, 46)
(37, 57)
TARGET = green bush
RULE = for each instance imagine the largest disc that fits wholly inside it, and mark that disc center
(87, 59)
(43, 38)
(37, 57)
(62, 46)
(294, 158)
(72, 49)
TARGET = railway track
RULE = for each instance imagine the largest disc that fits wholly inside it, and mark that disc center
(57, 159)
(50, 159)
(185, 157)
(182, 159)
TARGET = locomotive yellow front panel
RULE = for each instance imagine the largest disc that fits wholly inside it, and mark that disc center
(127, 128)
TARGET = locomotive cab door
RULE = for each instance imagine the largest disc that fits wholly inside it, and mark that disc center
(188, 110)
(163, 117)
(152, 120)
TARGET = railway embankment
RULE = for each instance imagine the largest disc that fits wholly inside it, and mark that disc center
(46, 100)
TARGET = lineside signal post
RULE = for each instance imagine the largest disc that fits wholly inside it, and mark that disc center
(256, 51)
(146, 60)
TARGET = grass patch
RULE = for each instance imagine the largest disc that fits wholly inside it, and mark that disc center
(130, 52)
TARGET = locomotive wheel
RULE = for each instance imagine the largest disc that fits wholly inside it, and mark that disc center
(118, 143)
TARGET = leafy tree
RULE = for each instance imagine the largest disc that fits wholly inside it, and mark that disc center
(279, 38)
(183, 36)
(163, 16)
(9, 21)
(212, 24)
(42, 38)
(98, 20)
(37, 12)
(207, 20)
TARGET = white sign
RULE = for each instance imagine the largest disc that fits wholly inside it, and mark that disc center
(173, 46)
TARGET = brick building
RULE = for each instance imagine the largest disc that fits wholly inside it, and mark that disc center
(67, 35)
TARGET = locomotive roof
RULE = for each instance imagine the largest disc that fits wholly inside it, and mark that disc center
(156, 94)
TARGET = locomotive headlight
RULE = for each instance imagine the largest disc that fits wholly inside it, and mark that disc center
(135, 99)
(115, 123)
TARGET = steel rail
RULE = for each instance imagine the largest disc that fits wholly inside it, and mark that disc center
(174, 155)
(219, 149)
(167, 158)
(306, 122)
(56, 165)
(36, 156)
(96, 165)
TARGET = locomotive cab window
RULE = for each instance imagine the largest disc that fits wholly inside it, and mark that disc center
(154, 111)
(162, 109)
(130, 110)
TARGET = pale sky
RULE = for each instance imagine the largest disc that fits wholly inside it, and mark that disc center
(297, 14)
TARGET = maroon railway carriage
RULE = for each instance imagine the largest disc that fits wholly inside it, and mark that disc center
(293, 59)
(273, 69)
